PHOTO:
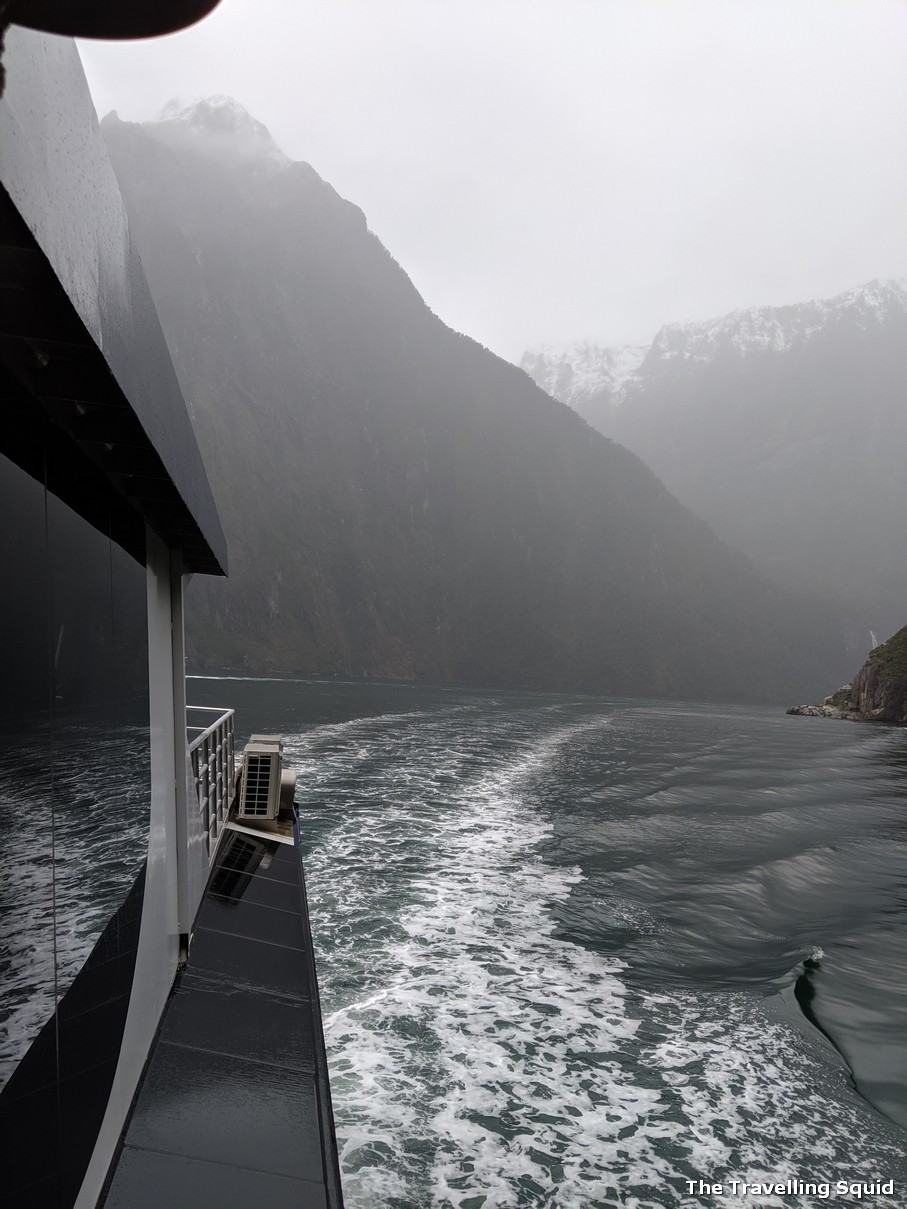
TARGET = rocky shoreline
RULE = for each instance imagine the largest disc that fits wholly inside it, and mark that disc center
(878, 692)
(828, 708)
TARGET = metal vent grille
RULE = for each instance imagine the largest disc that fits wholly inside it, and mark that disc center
(257, 786)
(259, 798)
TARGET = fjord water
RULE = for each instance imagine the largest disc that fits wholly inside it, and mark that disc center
(576, 952)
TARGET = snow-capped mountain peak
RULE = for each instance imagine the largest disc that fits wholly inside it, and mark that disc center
(778, 329)
(584, 371)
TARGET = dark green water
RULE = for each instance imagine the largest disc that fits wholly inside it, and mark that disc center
(579, 952)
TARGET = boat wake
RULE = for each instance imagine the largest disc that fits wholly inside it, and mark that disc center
(479, 1060)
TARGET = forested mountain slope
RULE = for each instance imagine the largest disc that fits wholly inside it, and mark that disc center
(398, 501)
(784, 427)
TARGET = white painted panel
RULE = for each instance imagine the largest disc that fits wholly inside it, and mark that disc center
(193, 862)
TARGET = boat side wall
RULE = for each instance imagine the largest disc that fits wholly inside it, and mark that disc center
(80, 344)
(55, 168)
(158, 951)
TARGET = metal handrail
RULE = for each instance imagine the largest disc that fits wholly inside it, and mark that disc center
(212, 754)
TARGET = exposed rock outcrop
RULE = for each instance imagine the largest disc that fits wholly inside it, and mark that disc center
(878, 692)
(830, 707)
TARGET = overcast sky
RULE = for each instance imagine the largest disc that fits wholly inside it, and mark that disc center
(560, 169)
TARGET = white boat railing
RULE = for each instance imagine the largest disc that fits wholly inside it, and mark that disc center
(211, 750)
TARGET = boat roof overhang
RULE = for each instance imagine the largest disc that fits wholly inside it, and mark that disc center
(91, 400)
(107, 18)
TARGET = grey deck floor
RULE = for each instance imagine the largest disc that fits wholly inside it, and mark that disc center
(234, 1108)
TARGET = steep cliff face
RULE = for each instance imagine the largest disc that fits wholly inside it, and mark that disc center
(398, 501)
(879, 689)
(878, 692)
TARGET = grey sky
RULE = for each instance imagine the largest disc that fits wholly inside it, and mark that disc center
(558, 169)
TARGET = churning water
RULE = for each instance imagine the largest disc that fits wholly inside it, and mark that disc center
(581, 952)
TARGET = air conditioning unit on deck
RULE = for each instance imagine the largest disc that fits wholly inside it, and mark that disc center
(262, 763)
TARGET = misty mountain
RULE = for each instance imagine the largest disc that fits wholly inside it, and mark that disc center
(398, 501)
(784, 427)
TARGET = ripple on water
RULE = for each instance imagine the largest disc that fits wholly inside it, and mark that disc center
(479, 1059)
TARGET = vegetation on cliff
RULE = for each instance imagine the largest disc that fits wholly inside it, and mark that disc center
(769, 423)
(878, 692)
(399, 502)
(890, 660)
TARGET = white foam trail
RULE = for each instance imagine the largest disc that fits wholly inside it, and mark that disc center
(490, 1063)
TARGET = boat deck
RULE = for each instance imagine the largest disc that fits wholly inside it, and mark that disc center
(234, 1107)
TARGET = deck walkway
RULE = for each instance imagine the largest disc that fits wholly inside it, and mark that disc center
(234, 1107)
